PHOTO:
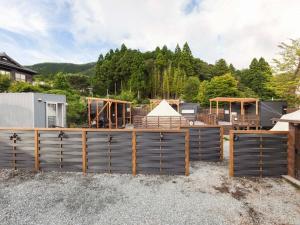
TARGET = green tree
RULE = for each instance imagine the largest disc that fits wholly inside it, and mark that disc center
(61, 82)
(220, 86)
(220, 68)
(4, 83)
(191, 89)
(24, 87)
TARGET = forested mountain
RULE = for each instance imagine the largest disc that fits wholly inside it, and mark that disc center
(53, 68)
(164, 73)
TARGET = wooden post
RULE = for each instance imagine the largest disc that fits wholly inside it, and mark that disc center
(109, 115)
(257, 117)
(221, 143)
(230, 112)
(36, 150)
(84, 158)
(217, 109)
(97, 113)
(130, 114)
(89, 112)
(242, 111)
(116, 114)
(231, 155)
(291, 150)
(124, 114)
(187, 152)
(133, 153)
(209, 106)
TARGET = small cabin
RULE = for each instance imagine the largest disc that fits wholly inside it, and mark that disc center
(189, 110)
(32, 110)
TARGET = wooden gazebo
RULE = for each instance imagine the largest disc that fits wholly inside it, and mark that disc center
(242, 120)
(108, 113)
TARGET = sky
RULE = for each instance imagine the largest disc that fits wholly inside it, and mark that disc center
(77, 31)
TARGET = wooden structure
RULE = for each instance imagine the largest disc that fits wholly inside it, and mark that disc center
(132, 151)
(239, 121)
(172, 102)
(108, 113)
(260, 153)
(294, 147)
(162, 122)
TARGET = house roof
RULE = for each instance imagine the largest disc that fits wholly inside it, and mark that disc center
(164, 109)
(9, 63)
(228, 99)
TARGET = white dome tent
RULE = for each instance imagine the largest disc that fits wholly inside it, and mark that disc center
(164, 116)
(284, 126)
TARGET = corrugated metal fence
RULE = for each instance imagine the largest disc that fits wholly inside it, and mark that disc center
(258, 153)
(206, 143)
(96, 150)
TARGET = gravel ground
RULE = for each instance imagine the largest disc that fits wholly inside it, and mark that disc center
(207, 196)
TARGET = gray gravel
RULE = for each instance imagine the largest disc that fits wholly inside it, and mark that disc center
(207, 196)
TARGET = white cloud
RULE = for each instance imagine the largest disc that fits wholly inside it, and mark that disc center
(235, 30)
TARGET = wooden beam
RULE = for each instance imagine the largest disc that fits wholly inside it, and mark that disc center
(231, 155)
(230, 112)
(187, 152)
(116, 114)
(133, 153)
(109, 115)
(36, 151)
(84, 158)
(89, 112)
(291, 150)
(97, 114)
(124, 114)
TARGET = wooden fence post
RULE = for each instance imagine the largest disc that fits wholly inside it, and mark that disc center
(291, 151)
(84, 158)
(187, 152)
(133, 153)
(36, 150)
(221, 143)
(231, 156)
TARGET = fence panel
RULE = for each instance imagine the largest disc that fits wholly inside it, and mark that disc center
(109, 152)
(160, 152)
(206, 143)
(17, 149)
(60, 150)
(258, 153)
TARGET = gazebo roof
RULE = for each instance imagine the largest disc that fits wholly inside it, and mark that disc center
(229, 99)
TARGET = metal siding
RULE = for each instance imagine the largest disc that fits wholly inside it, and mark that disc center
(205, 144)
(160, 153)
(40, 107)
(17, 152)
(260, 155)
(16, 110)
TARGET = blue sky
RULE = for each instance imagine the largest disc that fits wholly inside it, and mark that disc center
(77, 31)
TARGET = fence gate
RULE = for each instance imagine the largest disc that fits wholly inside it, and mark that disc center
(206, 143)
(258, 153)
(17, 149)
(109, 152)
(161, 153)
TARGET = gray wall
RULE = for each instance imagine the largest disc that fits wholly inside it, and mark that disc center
(40, 107)
(16, 110)
(23, 110)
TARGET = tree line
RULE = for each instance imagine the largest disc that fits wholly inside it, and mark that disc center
(130, 74)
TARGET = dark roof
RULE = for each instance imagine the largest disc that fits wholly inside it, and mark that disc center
(9, 63)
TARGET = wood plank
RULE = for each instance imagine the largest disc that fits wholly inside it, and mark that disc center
(187, 152)
(84, 161)
(133, 153)
(231, 156)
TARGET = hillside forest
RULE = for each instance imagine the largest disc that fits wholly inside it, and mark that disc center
(130, 74)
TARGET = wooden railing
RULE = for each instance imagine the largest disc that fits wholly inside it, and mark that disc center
(245, 121)
(164, 122)
(209, 119)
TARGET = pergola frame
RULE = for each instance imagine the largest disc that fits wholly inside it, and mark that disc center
(231, 100)
(155, 102)
(107, 104)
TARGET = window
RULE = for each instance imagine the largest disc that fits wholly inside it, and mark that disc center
(55, 115)
(20, 77)
(4, 72)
